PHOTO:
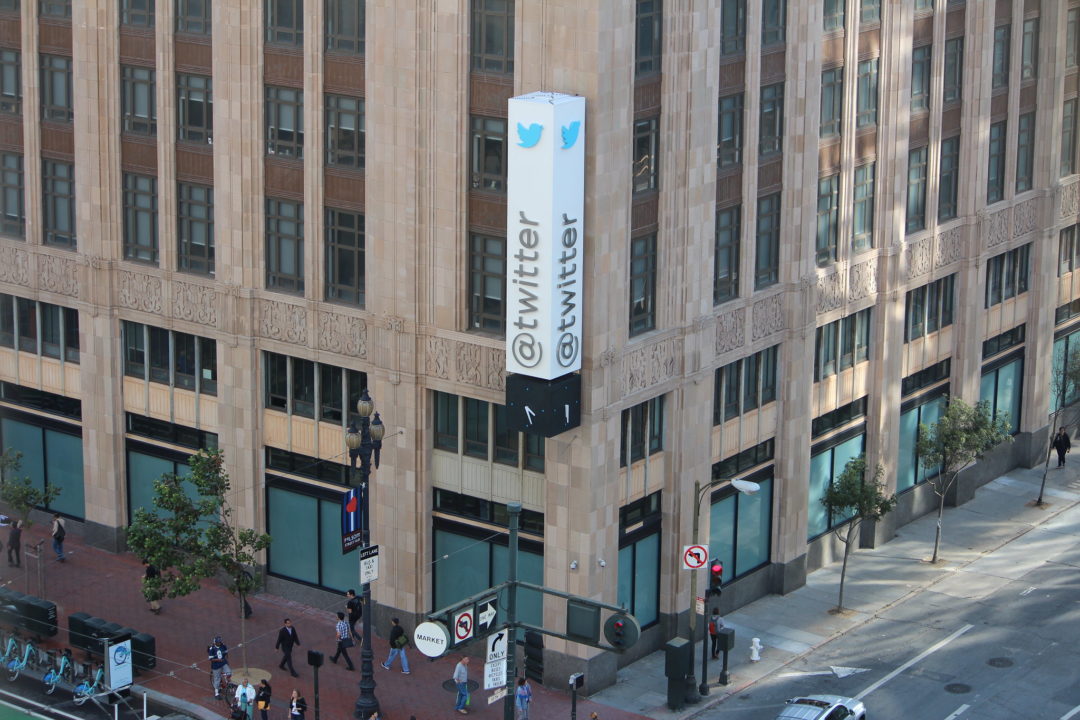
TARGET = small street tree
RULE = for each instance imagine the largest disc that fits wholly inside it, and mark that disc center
(190, 538)
(860, 498)
(18, 494)
(961, 436)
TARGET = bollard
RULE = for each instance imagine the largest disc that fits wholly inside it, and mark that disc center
(755, 650)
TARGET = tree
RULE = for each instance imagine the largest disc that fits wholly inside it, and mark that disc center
(960, 437)
(18, 493)
(191, 538)
(860, 499)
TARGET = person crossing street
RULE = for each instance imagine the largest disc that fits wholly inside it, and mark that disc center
(398, 641)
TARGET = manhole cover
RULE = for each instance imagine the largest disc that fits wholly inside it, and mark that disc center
(449, 685)
(957, 688)
(999, 662)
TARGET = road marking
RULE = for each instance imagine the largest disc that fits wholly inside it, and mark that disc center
(808, 673)
(1028, 591)
(1071, 713)
(837, 670)
(925, 653)
(959, 711)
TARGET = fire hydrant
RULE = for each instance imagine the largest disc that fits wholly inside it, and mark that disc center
(755, 650)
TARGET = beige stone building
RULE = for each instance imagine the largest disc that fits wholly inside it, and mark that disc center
(806, 222)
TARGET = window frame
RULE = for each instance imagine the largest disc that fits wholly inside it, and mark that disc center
(767, 241)
(132, 16)
(1069, 120)
(949, 178)
(487, 270)
(648, 37)
(190, 258)
(953, 82)
(929, 308)
(194, 91)
(140, 203)
(278, 246)
(12, 195)
(995, 166)
(866, 114)
(729, 141)
(487, 25)
(642, 283)
(862, 214)
(732, 27)
(56, 71)
(771, 120)
(488, 139)
(10, 81)
(999, 65)
(646, 155)
(921, 58)
(773, 22)
(281, 102)
(1029, 49)
(284, 23)
(52, 201)
(138, 117)
(832, 102)
(918, 166)
(345, 34)
(1025, 151)
(336, 252)
(193, 17)
(726, 246)
(339, 154)
(828, 220)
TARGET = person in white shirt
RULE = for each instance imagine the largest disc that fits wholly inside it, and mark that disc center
(245, 697)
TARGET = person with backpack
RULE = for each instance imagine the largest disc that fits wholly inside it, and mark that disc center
(59, 532)
(398, 641)
(716, 623)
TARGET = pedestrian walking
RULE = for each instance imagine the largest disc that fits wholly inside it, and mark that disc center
(262, 698)
(1063, 445)
(297, 705)
(59, 532)
(398, 641)
(354, 606)
(522, 698)
(150, 589)
(461, 681)
(245, 698)
(14, 542)
(716, 623)
(218, 653)
(286, 640)
(344, 641)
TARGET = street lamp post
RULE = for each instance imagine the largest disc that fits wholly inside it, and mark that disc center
(362, 443)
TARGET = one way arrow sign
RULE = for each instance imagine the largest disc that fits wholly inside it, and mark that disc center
(496, 646)
(485, 615)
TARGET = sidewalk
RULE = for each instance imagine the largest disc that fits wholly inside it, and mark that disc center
(978, 555)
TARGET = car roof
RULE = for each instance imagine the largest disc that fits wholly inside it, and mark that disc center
(812, 707)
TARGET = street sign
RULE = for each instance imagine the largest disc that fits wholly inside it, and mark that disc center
(699, 605)
(694, 557)
(463, 626)
(497, 695)
(431, 638)
(495, 674)
(485, 614)
(496, 646)
(369, 564)
(118, 669)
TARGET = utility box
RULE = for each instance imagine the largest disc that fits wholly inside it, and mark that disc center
(727, 639)
(677, 658)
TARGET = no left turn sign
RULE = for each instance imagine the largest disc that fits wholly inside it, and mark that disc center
(463, 626)
(694, 557)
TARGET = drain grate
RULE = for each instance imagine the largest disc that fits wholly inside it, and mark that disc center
(1000, 662)
(957, 688)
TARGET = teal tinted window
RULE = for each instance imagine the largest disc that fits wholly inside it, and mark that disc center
(292, 524)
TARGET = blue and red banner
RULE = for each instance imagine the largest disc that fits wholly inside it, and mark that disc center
(351, 516)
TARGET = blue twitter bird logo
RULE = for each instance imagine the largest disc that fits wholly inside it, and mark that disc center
(529, 135)
(569, 134)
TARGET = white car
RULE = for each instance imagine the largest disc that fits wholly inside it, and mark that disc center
(823, 707)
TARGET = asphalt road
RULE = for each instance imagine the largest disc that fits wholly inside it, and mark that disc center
(1010, 650)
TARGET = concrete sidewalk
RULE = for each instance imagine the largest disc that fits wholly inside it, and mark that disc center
(985, 543)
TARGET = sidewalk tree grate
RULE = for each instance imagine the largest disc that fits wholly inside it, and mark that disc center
(957, 688)
(1000, 662)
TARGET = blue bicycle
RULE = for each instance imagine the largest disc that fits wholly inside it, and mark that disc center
(60, 671)
(11, 649)
(86, 690)
(16, 665)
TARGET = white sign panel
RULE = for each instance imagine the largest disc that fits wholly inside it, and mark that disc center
(497, 695)
(369, 564)
(485, 614)
(545, 234)
(464, 624)
(431, 638)
(494, 674)
(695, 556)
(496, 646)
(119, 671)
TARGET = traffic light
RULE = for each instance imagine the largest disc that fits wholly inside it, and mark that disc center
(534, 656)
(622, 631)
(716, 577)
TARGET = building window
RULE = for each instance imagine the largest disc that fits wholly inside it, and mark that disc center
(920, 78)
(954, 70)
(910, 469)
(40, 328)
(642, 426)
(729, 140)
(173, 358)
(833, 15)
(345, 132)
(842, 344)
(284, 121)
(56, 103)
(862, 219)
(58, 203)
(646, 150)
(493, 36)
(929, 308)
(726, 254)
(1002, 389)
(869, 11)
(642, 284)
(10, 82)
(744, 385)
(740, 527)
(310, 389)
(1013, 337)
(138, 107)
(1068, 137)
(773, 22)
(1064, 361)
(477, 428)
(1029, 50)
(732, 27)
(825, 468)
(767, 246)
(285, 22)
(52, 457)
(648, 48)
(771, 124)
(995, 176)
(488, 154)
(195, 227)
(1025, 152)
(1072, 37)
(140, 218)
(866, 114)
(285, 246)
(638, 583)
(1068, 250)
(949, 179)
(828, 219)
(487, 283)
(832, 101)
(916, 194)
(139, 13)
(12, 195)
(999, 74)
(345, 273)
(193, 16)
(194, 108)
(1007, 275)
(55, 8)
(345, 26)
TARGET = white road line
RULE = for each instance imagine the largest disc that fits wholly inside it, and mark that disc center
(958, 712)
(930, 650)
(1027, 592)
(1071, 713)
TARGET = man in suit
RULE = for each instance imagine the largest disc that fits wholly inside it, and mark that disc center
(286, 639)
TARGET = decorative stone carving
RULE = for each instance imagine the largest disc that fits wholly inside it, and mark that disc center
(1025, 217)
(494, 369)
(1070, 200)
(830, 291)
(997, 228)
(651, 365)
(14, 265)
(862, 280)
(437, 360)
(918, 258)
(701, 322)
(395, 323)
(283, 321)
(140, 291)
(730, 330)
(949, 247)
(60, 275)
(767, 317)
(343, 334)
(196, 303)
(468, 363)
(607, 358)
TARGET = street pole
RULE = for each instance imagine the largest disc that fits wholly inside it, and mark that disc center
(514, 509)
(316, 669)
(693, 693)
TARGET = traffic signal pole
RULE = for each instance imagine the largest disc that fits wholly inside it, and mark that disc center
(694, 693)
(514, 509)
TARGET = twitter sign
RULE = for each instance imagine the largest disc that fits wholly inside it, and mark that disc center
(545, 207)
